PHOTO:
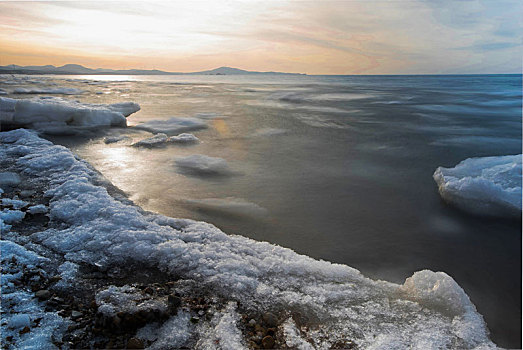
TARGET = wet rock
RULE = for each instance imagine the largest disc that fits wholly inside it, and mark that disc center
(270, 319)
(135, 343)
(76, 314)
(43, 294)
(195, 319)
(174, 301)
(271, 331)
(268, 342)
(259, 329)
(55, 278)
(344, 344)
(116, 322)
(26, 329)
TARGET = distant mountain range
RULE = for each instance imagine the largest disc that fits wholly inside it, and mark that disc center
(73, 69)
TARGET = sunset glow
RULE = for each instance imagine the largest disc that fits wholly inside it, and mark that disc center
(351, 37)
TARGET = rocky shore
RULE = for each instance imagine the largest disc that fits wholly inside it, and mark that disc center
(83, 267)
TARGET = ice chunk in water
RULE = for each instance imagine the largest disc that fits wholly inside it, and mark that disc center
(172, 126)
(486, 186)
(198, 164)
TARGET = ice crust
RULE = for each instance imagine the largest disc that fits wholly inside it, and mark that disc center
(125, 299)
(429, 311)
(20, 307)
(485, 186)
(55, 115)
(9, 179)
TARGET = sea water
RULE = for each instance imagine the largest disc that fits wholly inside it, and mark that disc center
(335, 167)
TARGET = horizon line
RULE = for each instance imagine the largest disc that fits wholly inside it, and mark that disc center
(253, 71)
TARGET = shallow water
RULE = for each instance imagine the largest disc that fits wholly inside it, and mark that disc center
(338, 168)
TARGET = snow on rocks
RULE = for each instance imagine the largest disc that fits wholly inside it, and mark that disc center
(173, 334)
(25, 323)
(429, 311)
(173, 125)
(55, 115)
(223, 331)
(485, 186)
(198, 164)
(9, 179)
(37, 209)
(125, 299)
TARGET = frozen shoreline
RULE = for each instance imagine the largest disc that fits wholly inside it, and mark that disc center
(88, 226)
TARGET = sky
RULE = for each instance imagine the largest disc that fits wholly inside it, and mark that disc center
(313, 37)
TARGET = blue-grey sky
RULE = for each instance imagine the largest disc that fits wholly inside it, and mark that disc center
(315, 37)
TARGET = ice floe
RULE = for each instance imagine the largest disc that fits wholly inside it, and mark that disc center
(161, 140)
(59, 116)
(114, 139)
(172, 126)
(486, 185)
(336, 301)
(199, 164)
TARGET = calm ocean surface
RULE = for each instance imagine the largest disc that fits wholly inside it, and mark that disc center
(335, 167)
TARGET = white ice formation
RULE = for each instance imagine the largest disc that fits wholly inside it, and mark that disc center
(485, 186)
(429, 311)
(55, 115)
(161, 140)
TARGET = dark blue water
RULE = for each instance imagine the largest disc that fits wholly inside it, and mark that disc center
(338, 168)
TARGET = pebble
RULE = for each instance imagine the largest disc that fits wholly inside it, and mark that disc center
(76, 314)
(268, 342)
(135, 343)
(252, 322)
(174, 301)
(43, 294)
(25, 330)
(270, 319)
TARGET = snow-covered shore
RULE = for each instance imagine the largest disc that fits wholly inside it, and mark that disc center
(317, 304)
